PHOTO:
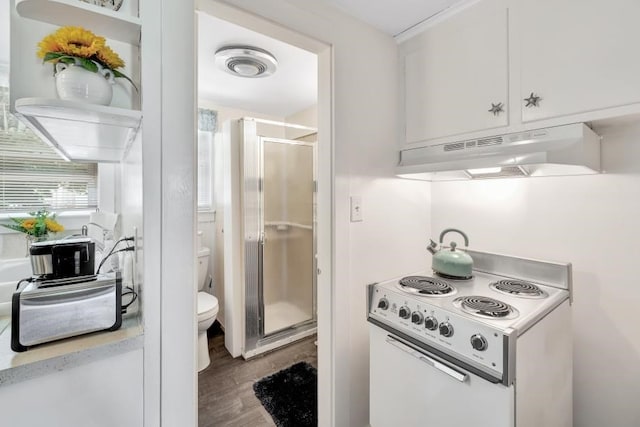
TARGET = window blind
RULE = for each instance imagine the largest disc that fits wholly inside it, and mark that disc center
(207, 124)
(205, 171)
(32, 174)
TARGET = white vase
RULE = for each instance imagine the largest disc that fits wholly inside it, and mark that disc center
(75, 83)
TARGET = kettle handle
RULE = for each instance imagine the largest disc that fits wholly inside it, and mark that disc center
(466, 239)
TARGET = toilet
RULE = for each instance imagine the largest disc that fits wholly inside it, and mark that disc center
(207, 308)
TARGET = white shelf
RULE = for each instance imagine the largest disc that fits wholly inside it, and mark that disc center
(81, 132)
(100, 20)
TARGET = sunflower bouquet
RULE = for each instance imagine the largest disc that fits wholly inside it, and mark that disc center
(80, 47)
(39, 225)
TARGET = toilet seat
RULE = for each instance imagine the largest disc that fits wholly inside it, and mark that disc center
(207, 306)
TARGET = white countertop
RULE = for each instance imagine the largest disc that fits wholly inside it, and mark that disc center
(67, 353)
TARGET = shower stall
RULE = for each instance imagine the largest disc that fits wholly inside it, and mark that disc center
(275, 235)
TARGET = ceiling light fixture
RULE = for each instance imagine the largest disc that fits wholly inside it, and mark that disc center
(246, 61)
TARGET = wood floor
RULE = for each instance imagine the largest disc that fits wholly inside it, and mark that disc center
(225, 388)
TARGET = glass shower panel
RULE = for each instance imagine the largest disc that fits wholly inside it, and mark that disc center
(288, 257)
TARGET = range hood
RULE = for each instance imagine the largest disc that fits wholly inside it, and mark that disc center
(563, 150)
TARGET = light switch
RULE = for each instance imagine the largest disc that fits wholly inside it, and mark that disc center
(356, 208)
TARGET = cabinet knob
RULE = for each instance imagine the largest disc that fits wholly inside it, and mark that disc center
(496, 109)
(533, 100)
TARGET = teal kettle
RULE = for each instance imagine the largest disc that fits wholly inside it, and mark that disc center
(451, 262)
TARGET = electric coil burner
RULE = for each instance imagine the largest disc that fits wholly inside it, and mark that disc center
(486, 307)
(488, 344)
(425, 285)
(518, 288)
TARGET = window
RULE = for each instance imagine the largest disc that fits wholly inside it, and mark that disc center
(32, 174)
(206, 127)
(205, 188)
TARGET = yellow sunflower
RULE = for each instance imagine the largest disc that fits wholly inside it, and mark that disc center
(53, 226)
(109, 58)
(75, 41)
(48, 44)
(28, 223)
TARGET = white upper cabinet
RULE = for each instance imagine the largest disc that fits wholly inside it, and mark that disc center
(574, 60)
(577, 55)
(453, 73)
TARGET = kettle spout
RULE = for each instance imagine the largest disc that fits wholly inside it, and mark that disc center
(432, 247)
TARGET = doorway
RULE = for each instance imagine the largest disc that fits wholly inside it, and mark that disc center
(323, 266)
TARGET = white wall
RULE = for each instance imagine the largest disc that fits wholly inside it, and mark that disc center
(391, 239)
(102, 393)
(129, 204)
(307, 117)
(590, 221)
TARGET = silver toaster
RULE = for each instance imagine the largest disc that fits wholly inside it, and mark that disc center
(45, 311)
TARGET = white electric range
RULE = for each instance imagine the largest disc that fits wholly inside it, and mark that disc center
(492, 351)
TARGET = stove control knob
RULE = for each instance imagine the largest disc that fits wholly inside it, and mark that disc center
(431, 323)
(446, 329)
(404, 312)
(478, 342)
(383, 303)
(416, 317)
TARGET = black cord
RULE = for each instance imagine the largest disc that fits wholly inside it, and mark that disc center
(28, 279)
(108, 255)
(111, 252)
(129, 291)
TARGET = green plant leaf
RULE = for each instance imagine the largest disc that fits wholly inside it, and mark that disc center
(68, 59)
(117, 73)
(14, 227)
(50, 56)
(88, 65)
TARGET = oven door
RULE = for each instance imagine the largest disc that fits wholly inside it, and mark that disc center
(412, 387)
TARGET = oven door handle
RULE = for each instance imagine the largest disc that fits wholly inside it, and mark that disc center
(453, 373)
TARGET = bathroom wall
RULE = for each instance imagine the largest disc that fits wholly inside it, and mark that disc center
(307, 117)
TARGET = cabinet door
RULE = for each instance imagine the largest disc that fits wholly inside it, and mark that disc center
(454, 71)
(577, 55)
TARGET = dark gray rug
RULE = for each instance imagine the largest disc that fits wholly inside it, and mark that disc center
(291, 395)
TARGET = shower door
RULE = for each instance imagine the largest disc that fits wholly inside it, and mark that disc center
(280, 241)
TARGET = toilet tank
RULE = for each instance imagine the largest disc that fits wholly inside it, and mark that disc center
(203, 266)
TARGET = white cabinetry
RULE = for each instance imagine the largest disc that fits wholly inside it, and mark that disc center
(455, 71)
(106, 392)
(577, 55)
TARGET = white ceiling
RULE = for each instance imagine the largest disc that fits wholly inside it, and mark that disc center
(393, 16)
(292, 88)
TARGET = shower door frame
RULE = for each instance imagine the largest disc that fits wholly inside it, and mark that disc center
(255, 340)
